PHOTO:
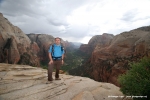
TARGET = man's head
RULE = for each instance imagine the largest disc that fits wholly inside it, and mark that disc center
(57, 40)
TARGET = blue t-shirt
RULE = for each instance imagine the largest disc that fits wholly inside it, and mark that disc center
(57, 50)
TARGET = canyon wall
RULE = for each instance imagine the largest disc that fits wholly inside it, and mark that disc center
(15, 46)
(110, 57)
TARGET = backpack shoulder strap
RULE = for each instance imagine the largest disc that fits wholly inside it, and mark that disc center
(62, 48)
(52, 47)
(52, 50)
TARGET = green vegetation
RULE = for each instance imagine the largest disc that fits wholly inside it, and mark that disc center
(44, 65)
(25, 59)
(73, 61)
(74, 58)
(136, 82)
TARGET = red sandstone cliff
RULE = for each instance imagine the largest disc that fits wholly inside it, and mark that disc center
(110, 59)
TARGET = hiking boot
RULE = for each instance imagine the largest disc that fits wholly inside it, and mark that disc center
(50, 79)
(57, 79)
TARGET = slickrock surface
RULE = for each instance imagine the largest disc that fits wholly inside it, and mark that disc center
(23, 82)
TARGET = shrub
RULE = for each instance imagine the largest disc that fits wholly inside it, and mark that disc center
(136, 82)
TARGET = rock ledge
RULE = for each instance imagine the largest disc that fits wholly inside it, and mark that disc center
(23, 82)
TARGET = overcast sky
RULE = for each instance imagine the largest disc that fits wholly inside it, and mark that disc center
(76, 20)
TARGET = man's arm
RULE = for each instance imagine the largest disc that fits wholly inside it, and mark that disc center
(63, 54)
(62, 57)
(50, 56)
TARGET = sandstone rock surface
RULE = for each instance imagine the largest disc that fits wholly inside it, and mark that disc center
(22, 82)
(14, 44)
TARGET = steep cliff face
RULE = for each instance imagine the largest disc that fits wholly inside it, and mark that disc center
(107, 62)
(98, 40)
(23, 82)
(14, 43)
(85, 48)
(43, 41)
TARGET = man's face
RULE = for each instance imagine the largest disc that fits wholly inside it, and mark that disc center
(57, 41)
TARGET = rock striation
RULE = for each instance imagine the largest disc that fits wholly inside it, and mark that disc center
(23, 82)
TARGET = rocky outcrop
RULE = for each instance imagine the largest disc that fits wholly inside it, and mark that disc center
(109, 61)
(14, 43)
(98, 40)
(22, 82)
(103, 40)
(43, 41)
(85, 48)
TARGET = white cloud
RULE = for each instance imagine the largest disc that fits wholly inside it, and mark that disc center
(74, 20)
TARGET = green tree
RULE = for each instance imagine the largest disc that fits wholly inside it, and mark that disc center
(136, 82)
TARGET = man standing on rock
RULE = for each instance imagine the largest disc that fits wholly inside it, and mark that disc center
(56, 56)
